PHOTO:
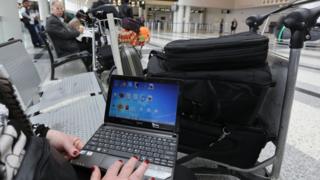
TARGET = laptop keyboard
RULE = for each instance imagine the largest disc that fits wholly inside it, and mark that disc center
(157, 150)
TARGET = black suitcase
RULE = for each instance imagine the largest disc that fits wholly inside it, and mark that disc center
(131, 60)
(236, 51)
(105, 57)
(224, 96)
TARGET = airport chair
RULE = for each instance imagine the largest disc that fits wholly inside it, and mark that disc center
(80, 119)
(35, 97)
(57, 61)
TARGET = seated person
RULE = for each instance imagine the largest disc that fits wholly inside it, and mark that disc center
(63, 37)
(101, 8)
(125, 10)
(76, 22)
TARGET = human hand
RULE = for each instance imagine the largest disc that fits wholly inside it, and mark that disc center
(127, 171)
(66, 144)
(81, 29)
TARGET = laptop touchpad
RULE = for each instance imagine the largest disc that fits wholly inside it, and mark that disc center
(88, 159)
(109, 160)
(159, 172)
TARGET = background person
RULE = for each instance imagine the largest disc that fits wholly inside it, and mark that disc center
(29, 21)
(77, 22)
(234, 25)
(63, 37)
(125, 10)
(221, 27)
(99, 3)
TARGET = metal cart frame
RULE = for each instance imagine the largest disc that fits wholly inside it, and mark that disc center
(112, 33)
(299, 22)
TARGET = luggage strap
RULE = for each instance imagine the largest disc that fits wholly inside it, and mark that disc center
(224, 134)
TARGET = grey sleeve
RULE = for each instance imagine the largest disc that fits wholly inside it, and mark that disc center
(57, 29)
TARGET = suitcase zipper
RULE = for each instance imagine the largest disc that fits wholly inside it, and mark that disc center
(225, 133)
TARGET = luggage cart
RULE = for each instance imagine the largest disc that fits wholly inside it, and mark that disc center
(106, 35)
(127, 58)
(300, 21)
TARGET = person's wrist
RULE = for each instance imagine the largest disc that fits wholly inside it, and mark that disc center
(48, 133)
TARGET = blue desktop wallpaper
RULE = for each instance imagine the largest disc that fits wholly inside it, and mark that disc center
(144, 101)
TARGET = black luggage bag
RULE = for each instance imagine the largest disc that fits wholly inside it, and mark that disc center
(236, 51)
(105, 57)
(219, 93)
(225, 96)
(214, 100)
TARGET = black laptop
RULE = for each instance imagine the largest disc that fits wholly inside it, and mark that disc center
(140, 120)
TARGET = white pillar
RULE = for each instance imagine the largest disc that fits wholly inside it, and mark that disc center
(180, 19)
(145, 14)
(201, 18)
(140, 11)
(158, 27)
(175, 19)
(187, 19)
(43, 9)
(10, 23)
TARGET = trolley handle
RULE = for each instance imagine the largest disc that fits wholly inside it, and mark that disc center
(257, 20)
(300, 23)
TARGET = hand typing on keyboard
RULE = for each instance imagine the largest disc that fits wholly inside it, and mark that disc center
(128, 170)
(158, 150)
(68, 145)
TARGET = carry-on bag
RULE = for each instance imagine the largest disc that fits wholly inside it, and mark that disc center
(105, 57)
(131, 24)
(236, 51)
(225, 96)
(219, 105)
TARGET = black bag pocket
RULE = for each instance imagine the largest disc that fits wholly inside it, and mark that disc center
(237, 51)
(241, 147)
(221, 101)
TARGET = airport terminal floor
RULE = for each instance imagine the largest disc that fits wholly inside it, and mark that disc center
(302, 152)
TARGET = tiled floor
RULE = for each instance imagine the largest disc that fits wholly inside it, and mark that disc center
(302, 155)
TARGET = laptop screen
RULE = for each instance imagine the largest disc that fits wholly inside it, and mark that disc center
(146, 102)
